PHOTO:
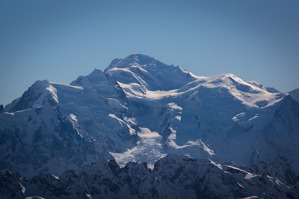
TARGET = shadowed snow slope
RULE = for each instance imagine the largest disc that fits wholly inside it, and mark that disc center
(295, 94)
(140, 109)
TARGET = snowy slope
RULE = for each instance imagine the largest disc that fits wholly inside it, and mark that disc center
(280, 137)
(140, 109)
(37, 137)
(195, 115)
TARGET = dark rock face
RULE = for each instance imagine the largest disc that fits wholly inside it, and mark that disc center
(295, 94)
(172, 177)
(11, 185)
(46, 142)
(282, 130)
(1, 108)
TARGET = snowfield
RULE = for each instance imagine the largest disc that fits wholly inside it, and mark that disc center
(139, 110)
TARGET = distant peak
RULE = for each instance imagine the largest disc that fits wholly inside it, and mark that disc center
(227, 75)
(39, 85)
(139, 59)
(96, 72)
(95, 77)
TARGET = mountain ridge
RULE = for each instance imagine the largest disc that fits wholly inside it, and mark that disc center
(140, 109)
(172, 176)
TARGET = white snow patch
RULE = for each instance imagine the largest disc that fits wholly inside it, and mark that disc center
(121, 122)
(73, 118)
(23, 188)
(132, 90)
(172, 136)
(158, 94)
(216, 164)
(248, 176)
(148, 149)
(175, 106)
(240, 185)
(238, 116)
(88, 195)
(207, 149)
(65, 86)
(254, 117)
(198, 143)
(53, 92)
(56, 177)
(178, 117)
(146, 133)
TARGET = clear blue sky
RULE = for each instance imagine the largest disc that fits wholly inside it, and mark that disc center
(59, 40)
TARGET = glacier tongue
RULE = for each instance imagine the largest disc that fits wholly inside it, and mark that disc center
(148, 149)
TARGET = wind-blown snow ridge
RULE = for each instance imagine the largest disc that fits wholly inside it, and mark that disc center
(132, 74)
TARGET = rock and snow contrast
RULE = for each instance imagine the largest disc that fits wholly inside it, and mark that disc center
(172, 177)
(139, 110)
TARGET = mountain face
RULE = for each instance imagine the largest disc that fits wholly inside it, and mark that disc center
(295, 94)
(140, 109)
(172, 177)
(281, 130)
(37, 137)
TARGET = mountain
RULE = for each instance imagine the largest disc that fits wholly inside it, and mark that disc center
(280, 131)
(295, 94)
(36, 136)
(139, 109)
(172, 177)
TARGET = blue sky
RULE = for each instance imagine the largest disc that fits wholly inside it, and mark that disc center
(59, 40)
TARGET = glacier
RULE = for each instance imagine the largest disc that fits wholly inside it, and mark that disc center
(220, 117)
(141, 110)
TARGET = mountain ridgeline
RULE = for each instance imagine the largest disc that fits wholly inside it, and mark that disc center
(141, 110)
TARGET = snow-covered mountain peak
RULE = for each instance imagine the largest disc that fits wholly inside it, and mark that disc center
(251, 94)
(140, 109)
(132, 60)
(141, 76)
(35, 96)
(230, 80)
(95, 79)
(142, 73)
